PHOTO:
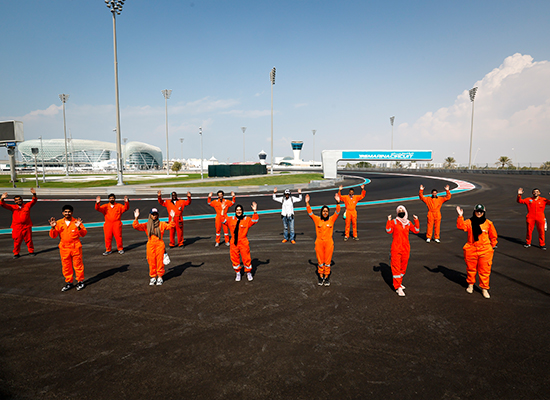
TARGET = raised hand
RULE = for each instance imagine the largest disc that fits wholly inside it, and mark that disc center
(415, 217)
(337, 197)
(447, 188)
(98, 199)
(340, 187)
(389, 217)
(520, 191)
(136, 213)
(232, 194)
(188, 194)
(159, 193)
(52, 222)
(299, 191)
(307, 198)
(275, 190)
(210, 194)
(254, 206)
(460, 211)
(126, 199)
(4, 195)
(422, 187)
(362, 186)
(33, 191)
(78, 222)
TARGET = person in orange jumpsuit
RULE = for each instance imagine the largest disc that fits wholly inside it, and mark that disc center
(113, 221)
(217, 204)
(324, 244)
(350, 201)
(434, 204)
(70, 230)
(399, 228)
(535, 216)
(240, 248)
(176, 205)
(479, 249)
(155, 245)
(21, 224)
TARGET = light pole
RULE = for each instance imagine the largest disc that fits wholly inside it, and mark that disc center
(166, 93)
(64, 98)
(472, 98)
(181, 141)
(200, 133)
(313, 130)
(116, 7)
(391, 122)
(42, 154)
(243, 128)
(272, 79)
(34, 151)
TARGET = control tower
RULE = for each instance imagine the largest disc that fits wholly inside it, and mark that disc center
(297, 149)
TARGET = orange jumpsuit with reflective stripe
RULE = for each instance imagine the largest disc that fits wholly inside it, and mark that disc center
(324, 244)
(242, 248)
(177, 207)
(70, 248)
(219, 218)
(434, 212)
(478, 255)
(400, 248)
(351, 211)
(113, 223)
(155, 247)
(535, 216)
(21, 224)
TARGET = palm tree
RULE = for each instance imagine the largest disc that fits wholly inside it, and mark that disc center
(504, 161)
(545, 165)
(449, 162)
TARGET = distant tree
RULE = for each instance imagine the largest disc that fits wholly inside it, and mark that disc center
(449, 162)
(545, 165)
(364, 164)
(176, 166)
(504, 161)
(398, 164)
(429, 165)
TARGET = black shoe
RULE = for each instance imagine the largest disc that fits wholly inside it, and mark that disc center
(80, 285)
(67, 286)
(321, 281)
(16, 256)
(327, 281)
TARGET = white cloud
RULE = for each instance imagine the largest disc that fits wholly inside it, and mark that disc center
(48, 112)
(511, 110)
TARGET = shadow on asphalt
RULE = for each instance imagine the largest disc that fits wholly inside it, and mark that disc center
(256, 263)
(512, 239)
(46, 250)
(178, 270)
(385, 271)
(190, 241)
(454, 276)
(135, 245)
(106, 274)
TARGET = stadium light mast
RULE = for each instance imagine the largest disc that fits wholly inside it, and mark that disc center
(243, 128)
(391, 122)
(42, 154)
(272, 79)
(200, 133)
(181, 141)
(64, 98)
(313, 130)
(167, 93)
(116, 7)
(473, 92)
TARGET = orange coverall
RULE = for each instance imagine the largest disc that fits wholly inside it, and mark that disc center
(242, 247)
(535, 216)
(324, 244)
(177, 207)
(21, 224)
(155, 247)
(400, 248)
(478, 255)
(434, 212)
(351, 212)
(219, 218)
(70, 248)
(113, 223)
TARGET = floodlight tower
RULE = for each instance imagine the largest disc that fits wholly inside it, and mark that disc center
(244, 130)
(64, 98)
(116, 7)
(473, 92)
(391, 122)
(200, 133)
(313, 130)
(166, 93)
(272, 79)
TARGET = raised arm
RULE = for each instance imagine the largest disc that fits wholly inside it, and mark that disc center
(448, 194)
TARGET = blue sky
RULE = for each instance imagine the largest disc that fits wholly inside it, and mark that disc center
(343, 68)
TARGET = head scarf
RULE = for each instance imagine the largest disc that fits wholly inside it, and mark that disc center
(405, 220)
(153, 227)
(239, 218)
(476, 225)
(321, 214)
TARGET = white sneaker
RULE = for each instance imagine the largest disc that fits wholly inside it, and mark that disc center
(227, 244)
(159, 281)
(437, 241)
(485, 293)
(249, 276)
(402, 287)
(470, 289)
(428, 240)
(400, 292)
(152, 281)
(238, 277)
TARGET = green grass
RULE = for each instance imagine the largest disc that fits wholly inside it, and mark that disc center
(173, 181)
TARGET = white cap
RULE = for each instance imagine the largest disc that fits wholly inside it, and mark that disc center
(154, 211)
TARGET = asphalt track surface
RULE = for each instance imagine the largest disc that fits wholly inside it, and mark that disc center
(204, 336)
